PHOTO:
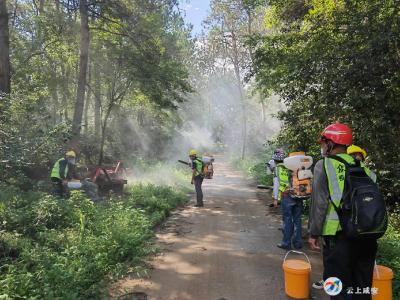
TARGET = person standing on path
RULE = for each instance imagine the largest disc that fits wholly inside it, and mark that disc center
(351, 261)
(360, 154)
(197, 176)
(272, 165)
(291, 207)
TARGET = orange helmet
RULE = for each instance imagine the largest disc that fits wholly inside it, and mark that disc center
(338, 133)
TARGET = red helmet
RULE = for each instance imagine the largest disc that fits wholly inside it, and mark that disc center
(338, 133)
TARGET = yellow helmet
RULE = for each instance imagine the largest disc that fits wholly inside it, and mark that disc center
(70, 154)
(192, 152)
(355, 149)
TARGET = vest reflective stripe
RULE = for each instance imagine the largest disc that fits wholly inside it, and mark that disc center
(55, 172)
(283, 174)
(335, 172)
(370, 174)
(334, 183)
(199, 166)
(332, 216)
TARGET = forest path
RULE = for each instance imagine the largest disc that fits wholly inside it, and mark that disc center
(226, 250)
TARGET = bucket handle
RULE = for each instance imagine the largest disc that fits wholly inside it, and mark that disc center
(377, 270)
(297, 252)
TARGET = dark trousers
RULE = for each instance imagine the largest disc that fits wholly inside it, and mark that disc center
(352, 261)
(291, 214)
(198, 181)
(59, 189)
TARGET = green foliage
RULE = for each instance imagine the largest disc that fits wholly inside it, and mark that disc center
(148, 199)
(255, 167)
(29, 141)
(336, 61)
(389, 248)
(258, 172)
(137, 75)
(68, 249)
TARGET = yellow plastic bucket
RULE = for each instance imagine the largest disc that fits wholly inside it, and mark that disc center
(382, 281)
(297, 276)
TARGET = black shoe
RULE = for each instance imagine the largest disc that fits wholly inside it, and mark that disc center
(284, 247)
(298, 247)
(319, 285)
(199, 205)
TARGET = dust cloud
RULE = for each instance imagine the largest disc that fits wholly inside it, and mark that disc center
(211, 123)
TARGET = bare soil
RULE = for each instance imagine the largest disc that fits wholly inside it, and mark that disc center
(226, 250)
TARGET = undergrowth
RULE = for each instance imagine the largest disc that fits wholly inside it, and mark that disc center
(69, 249)
(389, 249)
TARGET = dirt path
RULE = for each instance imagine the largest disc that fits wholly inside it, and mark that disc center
(226, 250)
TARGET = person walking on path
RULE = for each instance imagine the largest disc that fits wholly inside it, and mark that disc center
(197, 176)
(350, 260)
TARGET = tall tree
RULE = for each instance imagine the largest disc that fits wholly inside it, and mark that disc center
(230, 23)
(97, 101)
(83, 66)
(5, 82)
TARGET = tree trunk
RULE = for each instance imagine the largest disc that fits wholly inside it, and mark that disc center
(263, 112)
(41, 6)
(240, 88)
(249, 31)
(5, 82)
(54, 95)
(87, 104)
(97, 103)
(65, 93)
(103, 134)
(83, 63)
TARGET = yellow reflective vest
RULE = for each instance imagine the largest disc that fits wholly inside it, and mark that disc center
(55, 172)
(283, 175)
(198, 164)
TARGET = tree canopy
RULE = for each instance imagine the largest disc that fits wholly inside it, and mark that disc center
(336, 61)
(90, 69)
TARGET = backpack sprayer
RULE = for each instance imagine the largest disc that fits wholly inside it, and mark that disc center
(208, 168)
(299, 163)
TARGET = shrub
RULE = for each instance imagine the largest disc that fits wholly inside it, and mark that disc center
(52, 248)
(389, 249)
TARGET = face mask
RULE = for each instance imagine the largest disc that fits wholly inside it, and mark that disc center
(322, 152)
(71, 161)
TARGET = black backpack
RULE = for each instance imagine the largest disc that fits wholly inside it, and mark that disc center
(362, 210)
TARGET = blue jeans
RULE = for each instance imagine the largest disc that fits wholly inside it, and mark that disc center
(291, 213)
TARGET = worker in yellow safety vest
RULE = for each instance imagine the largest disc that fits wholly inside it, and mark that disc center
(197, 176)
(349, 261)
(291, 207)
(279, 178)
(61, 173)
(360, 154)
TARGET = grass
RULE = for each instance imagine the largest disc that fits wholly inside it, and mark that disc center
(389, 249)
(254, 168)
(71, 249)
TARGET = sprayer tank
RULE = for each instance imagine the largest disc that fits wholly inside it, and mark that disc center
(298, 162)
